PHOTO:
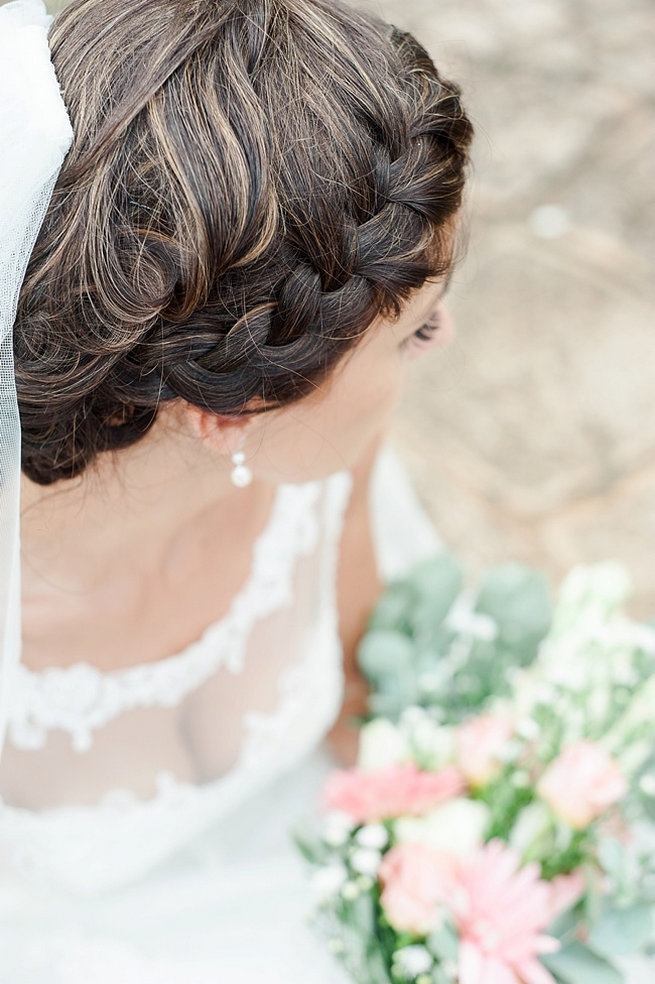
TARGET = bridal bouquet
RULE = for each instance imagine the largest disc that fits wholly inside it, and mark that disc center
(498, 828)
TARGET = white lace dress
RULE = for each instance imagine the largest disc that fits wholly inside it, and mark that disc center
(145, 813)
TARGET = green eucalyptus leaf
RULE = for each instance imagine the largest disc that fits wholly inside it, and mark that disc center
(440, 976)
(648, 805)
(565, 925)
(376, 971)
(307, 841)
(361, 914)
(443, 943)
(437, 581)
(611, 855)
(577, 964)
(394, 608)
(624, 931)
(518, 601)
(385, 705)
(384, 652)
(644, 786)
(427, 621)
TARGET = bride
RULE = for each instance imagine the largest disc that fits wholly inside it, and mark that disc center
(247, 245)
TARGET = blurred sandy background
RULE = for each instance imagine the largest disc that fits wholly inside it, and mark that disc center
(533, 438)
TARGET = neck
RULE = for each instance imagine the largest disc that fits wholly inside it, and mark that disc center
(148, 506)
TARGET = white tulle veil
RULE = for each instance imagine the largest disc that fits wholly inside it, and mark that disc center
(35, 135)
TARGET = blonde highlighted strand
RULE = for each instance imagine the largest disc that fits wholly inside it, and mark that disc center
(252, 183)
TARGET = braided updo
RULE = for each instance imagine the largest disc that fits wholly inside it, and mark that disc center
(252, 183)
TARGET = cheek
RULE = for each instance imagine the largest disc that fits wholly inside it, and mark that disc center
(329, 433)
(370, 394)
(356, 410)
(447, 329)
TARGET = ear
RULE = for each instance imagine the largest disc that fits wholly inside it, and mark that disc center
(225, 434)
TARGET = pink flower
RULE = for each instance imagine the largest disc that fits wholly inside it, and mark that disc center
(479, 741)
(500, 911)
(399, 790)
(417, 881)
(581, 783)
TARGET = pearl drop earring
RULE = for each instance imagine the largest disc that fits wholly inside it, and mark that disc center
(241, 475)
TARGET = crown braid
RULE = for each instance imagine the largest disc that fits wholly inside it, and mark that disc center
(252, 183)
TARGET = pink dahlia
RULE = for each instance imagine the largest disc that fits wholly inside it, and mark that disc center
(397, 791)
(500, 911)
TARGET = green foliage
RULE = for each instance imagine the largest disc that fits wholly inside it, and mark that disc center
(518, 601)
(431, 643)
(442, 653)
(305, 836)
(505, 802)
(443, 943)
(386, 656)
(394, 608)
(360, 914)
(645, 785)
(578, 964)
(622, 931)
(376, 968)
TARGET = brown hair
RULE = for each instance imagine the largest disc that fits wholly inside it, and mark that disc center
(252, 183)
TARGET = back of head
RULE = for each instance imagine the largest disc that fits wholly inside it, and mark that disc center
(252, 183)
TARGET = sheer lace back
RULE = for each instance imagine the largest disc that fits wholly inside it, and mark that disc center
(105, 773)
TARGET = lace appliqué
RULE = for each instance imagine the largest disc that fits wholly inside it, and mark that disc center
(303, 684)
(95, 848)
(80, 698)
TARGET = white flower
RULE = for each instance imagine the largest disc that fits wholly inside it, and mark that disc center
(510, 751)
(381, 744)
(431, 742)
(365, 861)
(520, 779)
(483, 627)
(413, 960)
(336, 828)
(413, 716)
(350, 890)
(647, 785)
(603, 587)
(456, 827)
(430, 682)
(327, 881)
(528, 728)
(435, 744)
(462, 619)
(532, 822)
(373, 835)
(635, 755)
(641, 636)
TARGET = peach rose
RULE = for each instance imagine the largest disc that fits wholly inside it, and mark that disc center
(479, 742)
(581, 783)
(417, 881)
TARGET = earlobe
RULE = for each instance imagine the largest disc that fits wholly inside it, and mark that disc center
(225, 434)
